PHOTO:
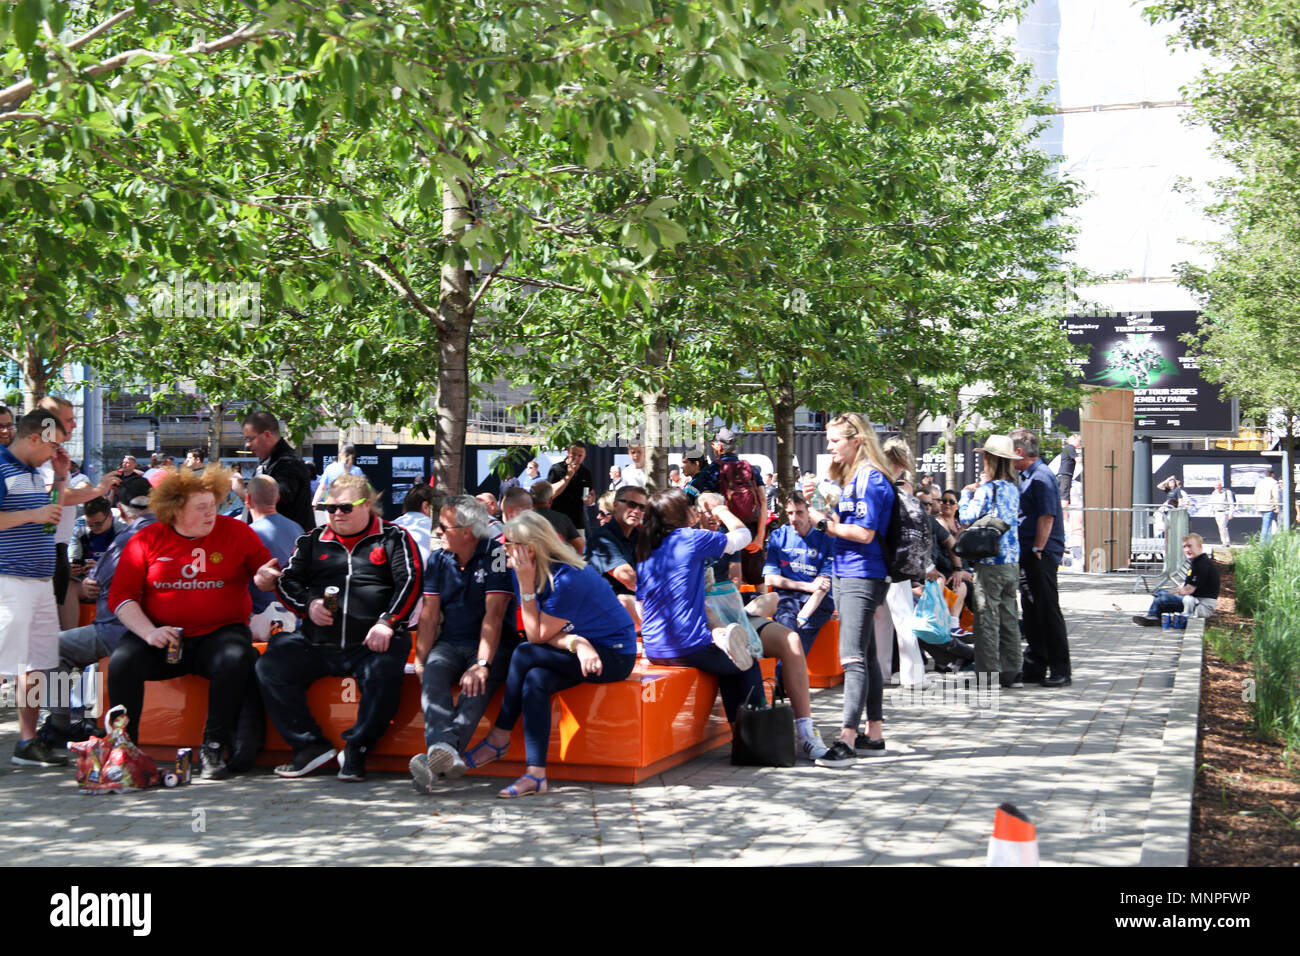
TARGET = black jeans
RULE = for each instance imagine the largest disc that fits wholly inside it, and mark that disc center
(1042, 623)
(292, 663)
(536, 672)
(62, 573)
(225, 657)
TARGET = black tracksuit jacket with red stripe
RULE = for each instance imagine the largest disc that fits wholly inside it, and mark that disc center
(380, 579)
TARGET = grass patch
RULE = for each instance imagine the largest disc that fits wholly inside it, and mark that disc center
(1228, 644)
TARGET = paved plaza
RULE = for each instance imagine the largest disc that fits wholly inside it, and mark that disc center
(1083, 763)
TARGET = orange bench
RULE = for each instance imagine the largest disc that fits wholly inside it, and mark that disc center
(613, 733)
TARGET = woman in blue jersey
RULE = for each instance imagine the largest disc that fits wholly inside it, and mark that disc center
(861, 519)
(671, 558)
(577, 631)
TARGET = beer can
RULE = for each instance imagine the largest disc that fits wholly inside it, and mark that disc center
(1165, 621)
(184, 765)
(332, 600)
(174, 650)
(1181, 621)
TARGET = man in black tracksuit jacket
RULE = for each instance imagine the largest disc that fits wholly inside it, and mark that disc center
(376, 567)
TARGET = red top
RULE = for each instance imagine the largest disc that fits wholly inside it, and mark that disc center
(199, 584)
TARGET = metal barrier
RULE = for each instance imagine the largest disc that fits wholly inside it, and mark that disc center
(1155, 547)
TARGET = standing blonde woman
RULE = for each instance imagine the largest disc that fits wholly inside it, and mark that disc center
(860, 521)
(577, 631)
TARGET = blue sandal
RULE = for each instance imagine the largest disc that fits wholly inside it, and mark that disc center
(473, 763)
(514, 791)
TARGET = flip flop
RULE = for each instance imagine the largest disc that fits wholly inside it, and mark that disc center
(474, 763)
(514, 791)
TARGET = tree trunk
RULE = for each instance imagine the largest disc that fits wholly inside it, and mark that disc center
(950, 442)
(455, 318)
(216, 419)
(36, 377)
(654, 407)
(783, 418)
(911, 425)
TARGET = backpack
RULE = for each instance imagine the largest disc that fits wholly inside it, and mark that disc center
(736, 482)
(909, 541)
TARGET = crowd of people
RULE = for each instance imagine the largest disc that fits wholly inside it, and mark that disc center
(518, 594)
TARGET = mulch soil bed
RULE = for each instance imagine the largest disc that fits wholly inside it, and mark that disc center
(1246, 808)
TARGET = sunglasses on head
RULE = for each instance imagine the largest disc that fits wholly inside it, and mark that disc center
(343, 508)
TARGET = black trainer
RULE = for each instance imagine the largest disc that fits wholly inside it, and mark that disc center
(213, 762)
(864, 746)
(308, 759)
(37, 753)
(1146, 620)
(352, 763)
(840, 755)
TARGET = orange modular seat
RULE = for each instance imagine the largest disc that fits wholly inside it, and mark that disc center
(615, 733)
(824, 668)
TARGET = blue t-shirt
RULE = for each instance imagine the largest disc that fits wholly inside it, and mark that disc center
(609, 548)
(1040, 495)
(670, 587)
(868, 502)
(463, 592)
(977, 504)
(27, 550)
(280, 535)
(582, 598)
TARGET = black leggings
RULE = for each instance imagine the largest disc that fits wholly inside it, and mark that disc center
(225, 657)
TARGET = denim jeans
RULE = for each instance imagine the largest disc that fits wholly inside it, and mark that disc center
(443, 668)
(1268, 519)
(536, 672)
(857, 600)
(292, 663)
(1164, 602)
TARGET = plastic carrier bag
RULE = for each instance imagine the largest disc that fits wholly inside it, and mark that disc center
(930, 620)
(723, 598)
(113, 763)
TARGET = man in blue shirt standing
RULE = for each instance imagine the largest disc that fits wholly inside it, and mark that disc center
(1042, 544)
(29, 619)
(280, 535)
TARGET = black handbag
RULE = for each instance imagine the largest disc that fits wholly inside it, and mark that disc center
(980, 540)
(764, 735)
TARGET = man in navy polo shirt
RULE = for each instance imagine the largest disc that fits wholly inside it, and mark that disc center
(29, 619)
(1042, 544)
(468, 591)
(798, 566)
(612, 547)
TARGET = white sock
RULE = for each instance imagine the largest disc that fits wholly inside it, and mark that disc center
(805, 727)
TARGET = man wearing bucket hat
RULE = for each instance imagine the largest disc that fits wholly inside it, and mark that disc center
(1042, 544)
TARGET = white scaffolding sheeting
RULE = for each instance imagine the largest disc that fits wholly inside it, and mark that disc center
(1100, 54)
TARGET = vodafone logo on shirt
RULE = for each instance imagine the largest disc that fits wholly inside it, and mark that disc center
(197, 565)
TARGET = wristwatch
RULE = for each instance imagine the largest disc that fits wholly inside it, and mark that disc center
(823, 524)
(481, 662)
(528, 597)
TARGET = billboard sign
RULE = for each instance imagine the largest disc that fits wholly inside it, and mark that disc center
(1144, 351)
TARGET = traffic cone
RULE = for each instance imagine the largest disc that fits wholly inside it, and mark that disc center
(1014, 841)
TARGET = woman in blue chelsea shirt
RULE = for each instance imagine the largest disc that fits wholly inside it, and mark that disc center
(859, 467)
(577, 631)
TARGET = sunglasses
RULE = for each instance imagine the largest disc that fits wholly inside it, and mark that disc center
(446, 528)
(344, 508)
(632, 505)
(949, 501)
(603, 514)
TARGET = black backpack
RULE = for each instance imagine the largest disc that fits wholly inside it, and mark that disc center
(909, 541)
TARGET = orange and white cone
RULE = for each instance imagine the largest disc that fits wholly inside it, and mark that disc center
(1014, 841)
